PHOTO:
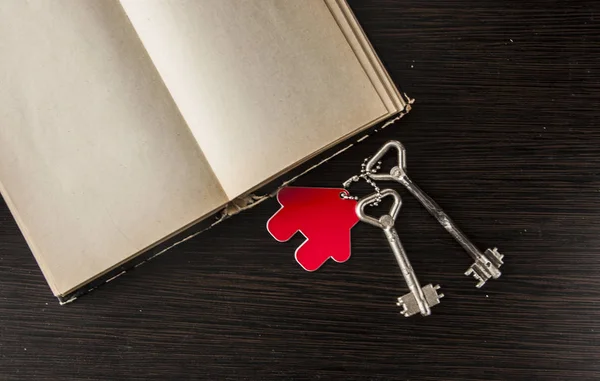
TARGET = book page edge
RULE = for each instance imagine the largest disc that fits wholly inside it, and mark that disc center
(372, 55)
(37, 254)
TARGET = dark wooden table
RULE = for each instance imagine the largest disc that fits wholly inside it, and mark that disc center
(504, 135)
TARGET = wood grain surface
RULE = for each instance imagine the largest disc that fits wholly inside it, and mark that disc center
(504, 136)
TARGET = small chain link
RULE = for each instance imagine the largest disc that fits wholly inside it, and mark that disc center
(365, 176)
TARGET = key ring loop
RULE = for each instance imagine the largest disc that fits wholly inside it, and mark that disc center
(396, 172)
(385, 221)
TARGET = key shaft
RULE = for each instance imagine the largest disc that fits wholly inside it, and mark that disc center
(405, 267)
(444, 219)
(484, 267)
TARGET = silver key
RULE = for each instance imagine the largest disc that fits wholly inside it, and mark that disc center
(418, 299)
(486, 265)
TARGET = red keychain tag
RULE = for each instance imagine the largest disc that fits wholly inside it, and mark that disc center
(322, 216)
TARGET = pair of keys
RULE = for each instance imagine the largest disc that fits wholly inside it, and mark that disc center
(420, 299)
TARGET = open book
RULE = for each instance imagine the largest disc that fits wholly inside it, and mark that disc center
(125, 122)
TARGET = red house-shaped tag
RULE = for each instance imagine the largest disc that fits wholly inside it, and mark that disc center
(322, 216)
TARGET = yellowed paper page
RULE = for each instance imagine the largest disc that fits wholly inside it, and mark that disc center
(262, 84)
(96, 162)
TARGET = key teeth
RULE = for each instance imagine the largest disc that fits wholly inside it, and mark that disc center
(484, 271)
(479, 273)
(439, 294)
(432, 296)
(494, 256)
(409, 304)
(402, 303)
(404, 311)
